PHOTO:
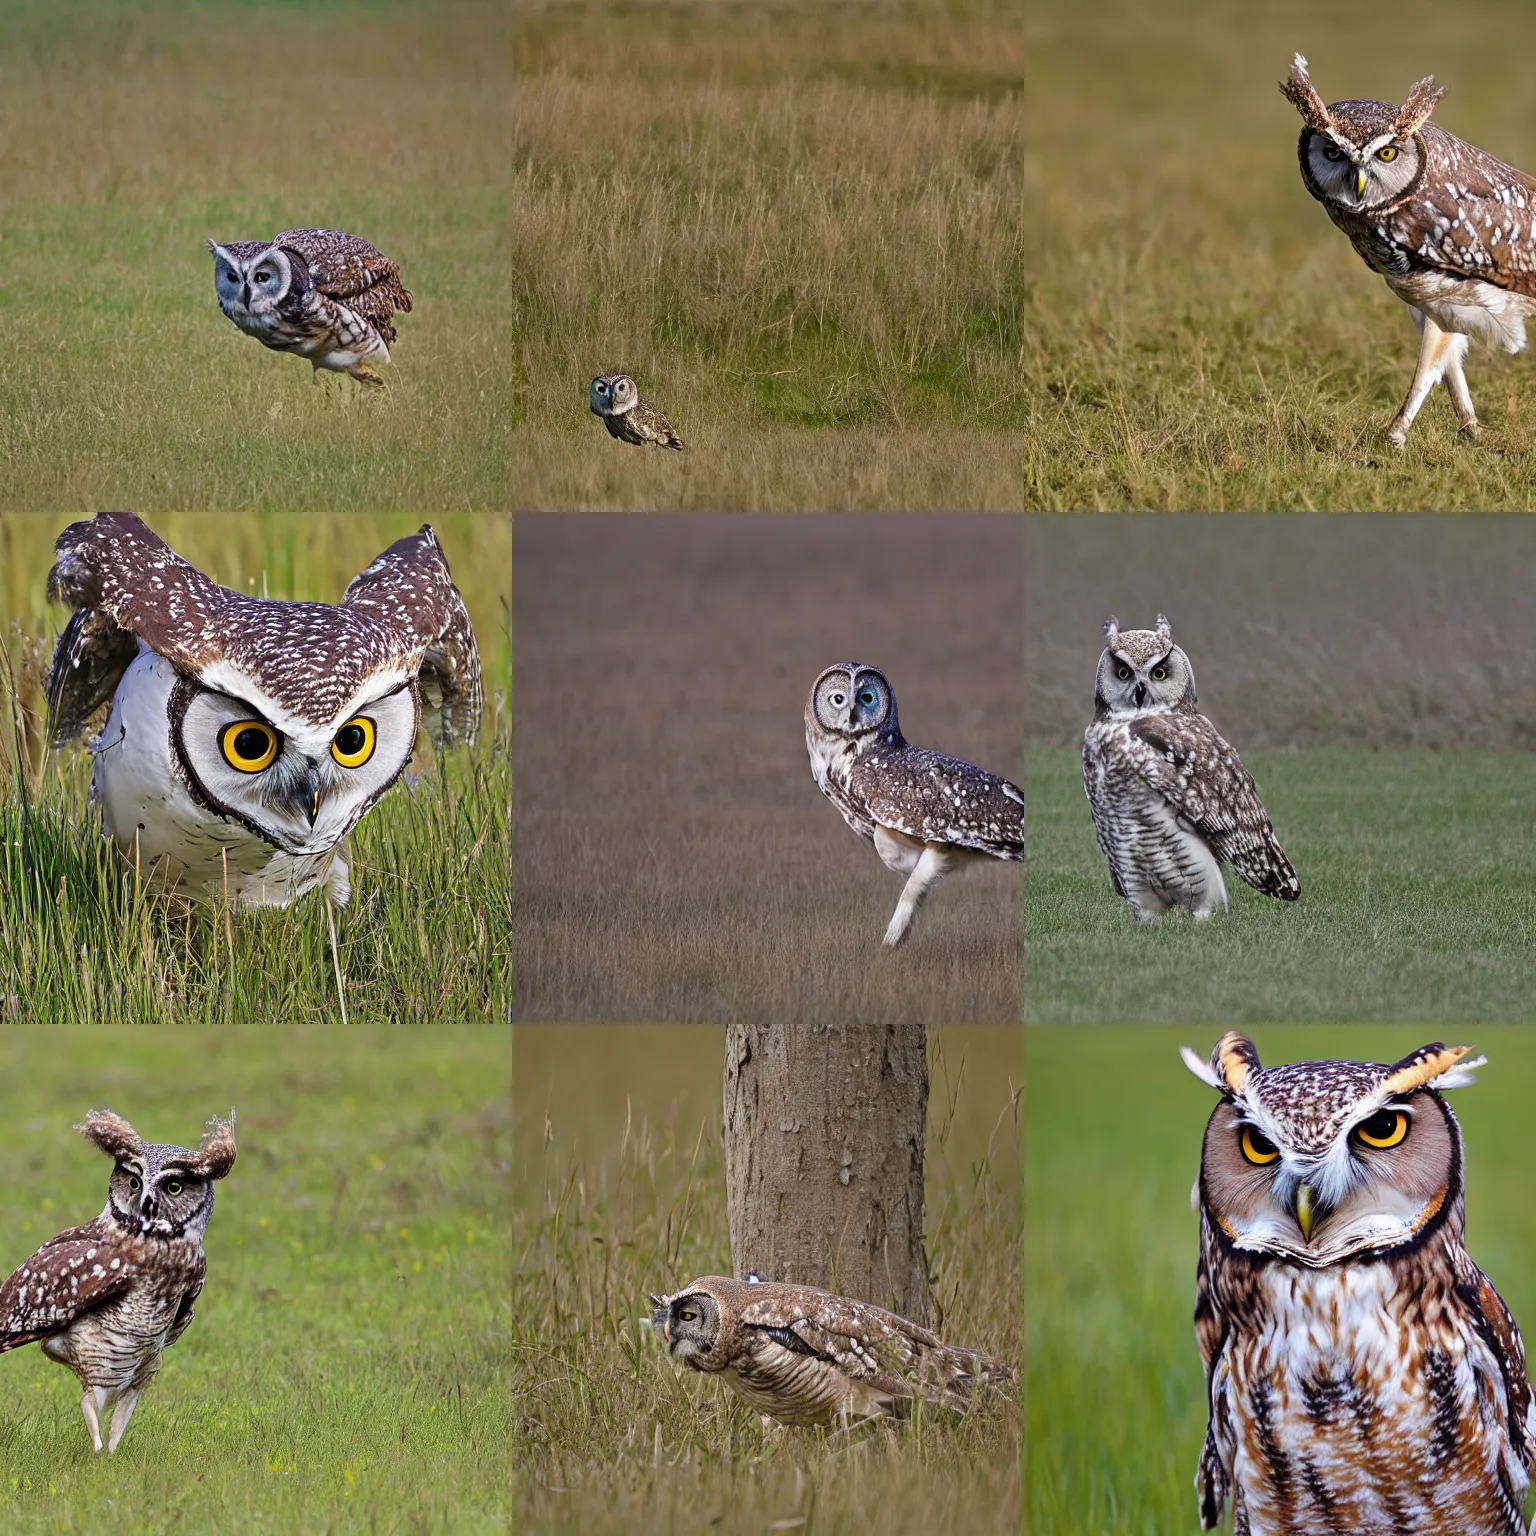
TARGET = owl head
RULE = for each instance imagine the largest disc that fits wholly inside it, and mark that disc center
(157, 1190)
(253, 278)
(852, 704)
(1362, 156)
(1321, 1161)
(690, 1325)
(1143, 671)
(613, 394)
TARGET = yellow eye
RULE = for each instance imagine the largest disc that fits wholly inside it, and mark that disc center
(173, 1187)
(353, 745)
(1334, 154)
(249, 745)
(1387, 152)
(687, 1316)
(1385, 1128)
(1257, 1147)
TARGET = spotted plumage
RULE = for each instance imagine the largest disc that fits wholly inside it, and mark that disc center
(926, 812)
(1364, 1376)
(1171, 800)
(247, 737)
(324, 295)
(806, 1356)
(614, 398)
(108, 1298)
(1450, 228)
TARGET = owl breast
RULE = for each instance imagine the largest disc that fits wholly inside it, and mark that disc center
(1360, 1402)
(800, 1389)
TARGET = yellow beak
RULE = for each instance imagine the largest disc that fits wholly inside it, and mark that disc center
(1304, 1210)
(1359, 183)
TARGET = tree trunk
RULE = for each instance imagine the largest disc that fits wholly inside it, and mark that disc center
(824, 1135)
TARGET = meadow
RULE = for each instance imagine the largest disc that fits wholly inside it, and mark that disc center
(1197, 332)
(347, 1366)
(619, 1191)
(798, 226)
(131, 134)
(426, 936)
(1115, 1392)
(674, 859)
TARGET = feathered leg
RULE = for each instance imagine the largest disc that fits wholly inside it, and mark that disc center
(1440, 354)
(120, 1417)
(936, 862)
(92, 1421)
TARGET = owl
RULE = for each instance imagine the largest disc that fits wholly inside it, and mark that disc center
(1171, 801)
(324, 295)
(926, 813)
(245, 738)
(806, 1356)
(1451, 229)
(1362, 1373)
(107, 1299)
(629, 418)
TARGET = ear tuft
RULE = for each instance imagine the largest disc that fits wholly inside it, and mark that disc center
(1423, 97)
(215, 1154)
(1164, 633)
(1202, 1069)
(112, 1134)
(1111, 629)
(1297, 88)
(1234, 1058)
(1432, 1066)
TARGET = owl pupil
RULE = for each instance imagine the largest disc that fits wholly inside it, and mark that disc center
(1124, 673)
(250, 743)
(866, 697)
(837, 698)
(350, 739)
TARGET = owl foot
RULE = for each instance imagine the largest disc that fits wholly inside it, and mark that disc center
(365, 375)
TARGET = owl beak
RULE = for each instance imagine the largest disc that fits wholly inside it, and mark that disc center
(245, 295)
(1304, 1210)
(1139, 695)
(1359, 184)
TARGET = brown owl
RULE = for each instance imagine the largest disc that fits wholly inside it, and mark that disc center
(1363, 1374)
(613, 397)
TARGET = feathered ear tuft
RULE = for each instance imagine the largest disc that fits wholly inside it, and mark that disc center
(1433, 1066)
(1423, 97)
(1164, 633)
(1233, 1059)
(1202, 1069)
(215, 1154)
(112, 1134)
(1111, 629)
(1297, 88)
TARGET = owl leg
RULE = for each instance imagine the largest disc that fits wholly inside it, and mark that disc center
(936, 862)
(1456, 383)
(1436, 349)
(365, 375)
(121, 1415)
(92, 1420)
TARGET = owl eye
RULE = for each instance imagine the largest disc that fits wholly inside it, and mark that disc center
(867, 698)
(1159, 673)
(687, 1315)
(1257, 1147)
(173, 1187)
(1123, 672)
(353, 743)
(249, 745)
(1385, 1128)
(1334, 154)
(839, 698)
(1388, 153)
(133, 1181)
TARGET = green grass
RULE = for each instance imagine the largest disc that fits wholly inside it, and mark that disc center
(346, 1370)
(620, 1191)
(1115, 1391)
(131, 133)
(426, 936)
(1415, 899)
(1198, 333)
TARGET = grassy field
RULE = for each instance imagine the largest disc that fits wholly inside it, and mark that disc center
(1198, 334)
(674, 859)
(1115, 1392)
(798, 226)
(620, 1191)
(347, 1367)
(426, 935)
(131, 133)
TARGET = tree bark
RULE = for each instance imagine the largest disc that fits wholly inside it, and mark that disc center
(824, 1130)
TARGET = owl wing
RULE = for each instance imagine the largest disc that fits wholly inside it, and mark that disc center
(69, 1275)
(652, 425)
(1213, 1480)
(1493, 1324)
(348, 268)
(123, 581)
(1095, 772)
(940, 799)
(188, 1302)
(1186, 760)
(409, 591)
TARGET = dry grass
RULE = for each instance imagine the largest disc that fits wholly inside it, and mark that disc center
(1199, 333)
(620, 1191)
(778, 218)
(674, 859)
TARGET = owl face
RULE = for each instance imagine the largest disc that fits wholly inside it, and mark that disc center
(300, 786)
(1142, 670)
(1376, 171)
(853, 701)
(1318, 1162)
(690, 1324)
(159, 1190)
(252, 279)
(613, 394)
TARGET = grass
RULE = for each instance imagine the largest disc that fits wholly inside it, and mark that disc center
(798, 226)
(1414, 901)
(346, 1370)
(426, 935)
(674, 859)
(620, 1192)
(133, 132)
(1198, 334)
(1115, 1391)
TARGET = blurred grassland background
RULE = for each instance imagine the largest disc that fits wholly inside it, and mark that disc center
(619, 1191)
(1115, 1391)
(1199, 333)
(347, 1367)
(797, 225)
(132, 132)
(426, 936)
(1378, 677)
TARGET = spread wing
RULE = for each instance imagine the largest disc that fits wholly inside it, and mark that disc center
(1185, 759)
(409, 589)
(69, 1275)
(1213, 1480)
(1496, 1328)
(348, 268)
(940, 799)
